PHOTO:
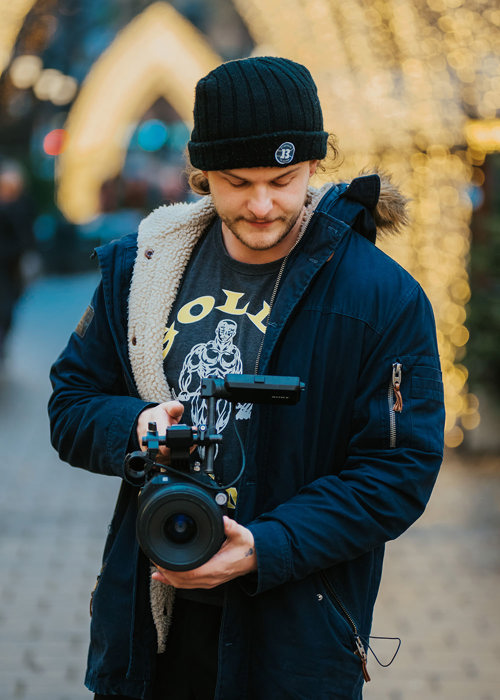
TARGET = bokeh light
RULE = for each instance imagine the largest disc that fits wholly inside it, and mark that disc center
(55, 142)
(25, 70)
(152, 135)
(158, 54)
(410, 87)
(54, 86)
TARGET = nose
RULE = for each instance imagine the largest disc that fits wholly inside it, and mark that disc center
(260, 203)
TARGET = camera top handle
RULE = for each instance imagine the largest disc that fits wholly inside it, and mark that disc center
(253, 388)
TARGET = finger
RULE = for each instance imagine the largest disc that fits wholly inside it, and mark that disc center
(159, 576)
(231, 527)
(155, 414)
(174, 409)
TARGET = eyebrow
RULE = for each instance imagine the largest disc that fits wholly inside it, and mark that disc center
(242, 179)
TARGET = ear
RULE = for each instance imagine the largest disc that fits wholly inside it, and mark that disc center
(313, 164)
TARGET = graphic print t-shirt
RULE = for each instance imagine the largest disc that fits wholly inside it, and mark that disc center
(216, 327)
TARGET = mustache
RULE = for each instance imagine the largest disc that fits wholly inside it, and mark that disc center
(260, 221)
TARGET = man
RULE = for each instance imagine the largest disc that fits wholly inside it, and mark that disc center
(268, 276)
(17, 214)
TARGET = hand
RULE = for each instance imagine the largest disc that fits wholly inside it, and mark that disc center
(235, 558)
(164, 415)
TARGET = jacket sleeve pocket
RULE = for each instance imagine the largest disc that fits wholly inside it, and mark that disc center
(426, 388)
(425, 401)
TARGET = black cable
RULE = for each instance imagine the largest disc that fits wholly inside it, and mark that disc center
(213, 487)
(391, 639)
(243, 460)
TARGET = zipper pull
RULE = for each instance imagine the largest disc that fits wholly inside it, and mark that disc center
(396, 385)
(360, 651)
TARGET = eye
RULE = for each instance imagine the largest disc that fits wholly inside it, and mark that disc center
(237, 183)
(282, 183)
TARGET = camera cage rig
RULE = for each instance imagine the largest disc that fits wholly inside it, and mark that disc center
(244, 388)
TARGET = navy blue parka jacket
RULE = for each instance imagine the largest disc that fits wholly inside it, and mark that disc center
(327, 481)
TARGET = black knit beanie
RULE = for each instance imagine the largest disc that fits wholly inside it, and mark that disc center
(253, 112)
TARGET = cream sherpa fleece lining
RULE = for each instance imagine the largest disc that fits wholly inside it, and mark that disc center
(165, 243)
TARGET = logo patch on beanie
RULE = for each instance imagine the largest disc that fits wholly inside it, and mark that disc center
(285, 153)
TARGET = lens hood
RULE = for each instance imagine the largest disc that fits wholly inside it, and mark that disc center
(179, 524)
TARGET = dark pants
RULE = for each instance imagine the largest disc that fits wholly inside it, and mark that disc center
(187, 670)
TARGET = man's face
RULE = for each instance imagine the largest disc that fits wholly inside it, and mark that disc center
(260, 209)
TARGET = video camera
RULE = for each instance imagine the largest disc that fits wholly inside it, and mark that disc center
(181, 505)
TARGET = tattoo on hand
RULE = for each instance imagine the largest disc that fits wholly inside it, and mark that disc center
(250, 552)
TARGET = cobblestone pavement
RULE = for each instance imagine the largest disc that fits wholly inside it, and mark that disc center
(441, 593)
(440, 590)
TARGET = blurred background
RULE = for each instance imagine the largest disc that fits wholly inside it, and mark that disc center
(95, 112)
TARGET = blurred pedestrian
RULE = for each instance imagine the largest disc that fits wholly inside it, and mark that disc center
(16, 240)
(264, 275)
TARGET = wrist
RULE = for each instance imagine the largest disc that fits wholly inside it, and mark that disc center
(250, 556)
(136, 432)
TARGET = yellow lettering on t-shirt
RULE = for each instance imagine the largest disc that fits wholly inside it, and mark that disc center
(257, 319)
(168, 339)
(230, 306)
(186, 314)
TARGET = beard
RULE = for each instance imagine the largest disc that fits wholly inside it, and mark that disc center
(279, 228)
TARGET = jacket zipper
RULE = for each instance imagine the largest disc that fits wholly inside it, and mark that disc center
(360, 650)
(395, 401)
(273, 297)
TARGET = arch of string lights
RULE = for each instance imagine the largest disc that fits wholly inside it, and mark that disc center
(158, 54)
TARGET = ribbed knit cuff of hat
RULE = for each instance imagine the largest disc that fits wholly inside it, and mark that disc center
(263, 150)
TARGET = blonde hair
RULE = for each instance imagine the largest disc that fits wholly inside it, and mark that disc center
(198, 181)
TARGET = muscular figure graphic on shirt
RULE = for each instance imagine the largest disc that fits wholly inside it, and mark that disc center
(216, 358)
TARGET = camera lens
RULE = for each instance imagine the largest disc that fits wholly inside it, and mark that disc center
(180, 528)
(179, 524)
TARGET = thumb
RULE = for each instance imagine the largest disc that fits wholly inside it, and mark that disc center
(231, 527)
(174, 409)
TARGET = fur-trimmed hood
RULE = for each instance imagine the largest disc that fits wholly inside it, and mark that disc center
(391, 213)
